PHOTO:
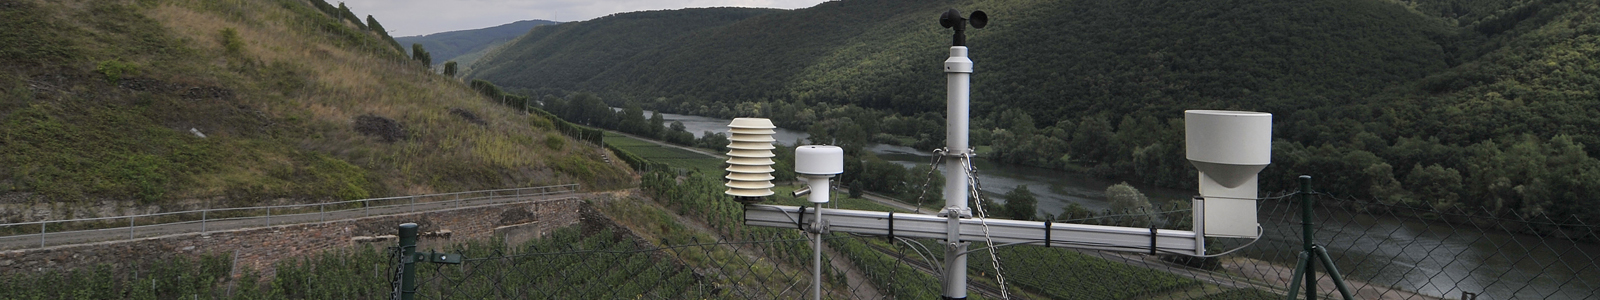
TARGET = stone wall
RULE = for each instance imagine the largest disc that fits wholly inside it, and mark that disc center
(260, 248)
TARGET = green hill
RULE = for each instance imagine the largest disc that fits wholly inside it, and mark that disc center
(1471, 106)
(173, 103)
(465, 46)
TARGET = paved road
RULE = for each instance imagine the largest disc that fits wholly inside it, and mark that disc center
(305, 214)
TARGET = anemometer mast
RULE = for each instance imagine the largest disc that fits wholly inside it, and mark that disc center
(958, 92)
(1228, 148)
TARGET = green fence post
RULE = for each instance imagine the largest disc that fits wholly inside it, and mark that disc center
(1306, 239)
(408, 275)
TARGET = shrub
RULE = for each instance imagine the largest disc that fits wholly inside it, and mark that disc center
(231, 43)
(114, 69)
(554, 141)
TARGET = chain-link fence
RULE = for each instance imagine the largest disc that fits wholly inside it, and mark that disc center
(1383, 251)
(40, 234)
(570, 264)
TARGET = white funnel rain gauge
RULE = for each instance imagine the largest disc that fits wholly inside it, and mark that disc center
(1229, 148)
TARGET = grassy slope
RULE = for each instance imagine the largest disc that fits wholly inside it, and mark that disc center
(278, 113)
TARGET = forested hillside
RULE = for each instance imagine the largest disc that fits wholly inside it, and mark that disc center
(465, 46)
(1467, 106)
(110, 106)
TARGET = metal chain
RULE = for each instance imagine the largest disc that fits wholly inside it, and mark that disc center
(977, 195)
(395, 278)
(933, 166)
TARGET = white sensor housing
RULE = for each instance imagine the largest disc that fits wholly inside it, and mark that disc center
(750, 157)
(1228, 148)
(816, 164)
(818, 160)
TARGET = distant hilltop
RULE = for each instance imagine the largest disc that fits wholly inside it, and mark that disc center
(465, 46)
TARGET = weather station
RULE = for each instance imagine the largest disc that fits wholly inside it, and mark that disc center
(1228, 147)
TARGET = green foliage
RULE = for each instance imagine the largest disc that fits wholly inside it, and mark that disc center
(450, 69)
(69, 153)
(1039, 270)
(421, 55)
(231, 43)
(1125, 199)
(177, 277)
(1243, 294)
(337, 178)
(1103, 91)
(115, 69)
(1021, 204)
(646, 156)
(32, 38)
(554, 142)
(456, 45)
(326, 8)
(332, 26)
(344, 13)
(372, 23)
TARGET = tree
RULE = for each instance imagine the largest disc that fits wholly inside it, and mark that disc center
(1021, 204)
(326, 8)
(450, 69)
(631, 119)
(372, 23)
(344, 12)
(1091, 139)
(1127, 200)
(714, 141)
(657, 124)
(421, 55)
(1074, 211)
(1435, 185)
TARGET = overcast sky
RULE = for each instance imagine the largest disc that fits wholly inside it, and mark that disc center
(419, 17)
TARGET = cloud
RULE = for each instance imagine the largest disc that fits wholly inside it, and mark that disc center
(419, 17)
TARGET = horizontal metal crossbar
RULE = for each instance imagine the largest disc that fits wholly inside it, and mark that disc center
(1065, 235)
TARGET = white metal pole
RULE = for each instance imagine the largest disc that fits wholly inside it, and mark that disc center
(816, 256)
(1198, 205)
(958, 73)
(820, 193)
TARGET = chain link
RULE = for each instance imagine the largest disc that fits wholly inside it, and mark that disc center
(938, 157)
(977, 200)
(397, 257)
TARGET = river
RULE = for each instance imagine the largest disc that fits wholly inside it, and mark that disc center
(1432, 258)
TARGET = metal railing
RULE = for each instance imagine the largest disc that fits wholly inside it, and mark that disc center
(60, 232)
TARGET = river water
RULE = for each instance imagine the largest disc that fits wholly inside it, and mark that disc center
(1431, 258)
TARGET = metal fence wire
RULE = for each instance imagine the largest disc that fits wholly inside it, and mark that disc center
(569, 264)
(1384, 252)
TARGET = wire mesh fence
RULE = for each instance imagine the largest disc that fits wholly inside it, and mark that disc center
(570, 264)
(39, 234)
(1383, 251)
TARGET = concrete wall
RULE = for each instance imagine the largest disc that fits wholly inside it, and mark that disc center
(260, 248)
